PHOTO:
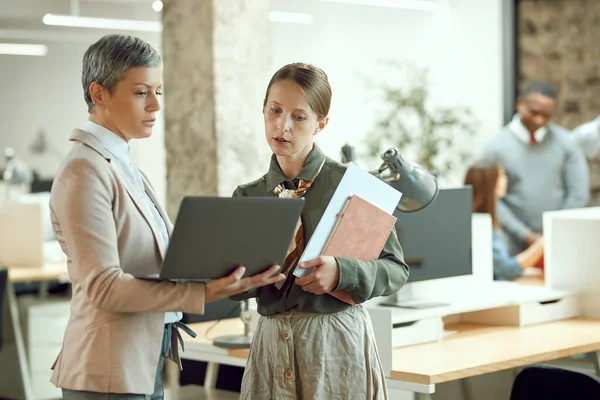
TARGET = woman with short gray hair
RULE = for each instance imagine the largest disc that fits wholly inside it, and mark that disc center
(112, 229)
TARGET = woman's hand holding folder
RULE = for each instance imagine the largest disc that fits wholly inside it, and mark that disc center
(323, 279)
(235, 284)
(360, 232)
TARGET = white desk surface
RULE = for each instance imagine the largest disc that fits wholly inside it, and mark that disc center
(201, 348)
(483, 297)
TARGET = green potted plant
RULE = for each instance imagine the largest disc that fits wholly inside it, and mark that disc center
(421, 131)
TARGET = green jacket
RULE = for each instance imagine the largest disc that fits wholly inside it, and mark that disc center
(362, 280)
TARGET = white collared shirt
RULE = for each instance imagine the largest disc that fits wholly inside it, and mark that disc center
(120, 149)
(587, 136)
(522, 133)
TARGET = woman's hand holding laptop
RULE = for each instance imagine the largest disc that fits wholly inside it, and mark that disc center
(235, 284)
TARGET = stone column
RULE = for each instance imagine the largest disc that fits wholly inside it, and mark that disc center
(217, 62)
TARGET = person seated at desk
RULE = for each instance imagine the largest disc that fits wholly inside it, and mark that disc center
(546, 168)
(489, 181)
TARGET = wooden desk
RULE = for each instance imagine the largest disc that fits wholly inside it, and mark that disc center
(472, 349)
(49, 272)
(475, 349)
(12, 328)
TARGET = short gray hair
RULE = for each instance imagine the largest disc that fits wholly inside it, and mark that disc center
(109, 58)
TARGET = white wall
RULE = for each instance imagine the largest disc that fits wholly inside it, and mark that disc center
(45, 93)
(41, 93)
(460, 42)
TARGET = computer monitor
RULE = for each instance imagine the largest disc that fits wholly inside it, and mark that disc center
(437, 240)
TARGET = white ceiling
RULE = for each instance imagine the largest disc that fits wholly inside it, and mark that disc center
(21, 20)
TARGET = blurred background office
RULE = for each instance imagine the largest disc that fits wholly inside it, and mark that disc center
(437, 79)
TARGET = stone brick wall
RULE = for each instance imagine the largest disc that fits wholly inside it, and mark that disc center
(559, 41)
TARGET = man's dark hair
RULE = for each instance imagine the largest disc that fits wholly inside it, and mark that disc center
(540, 87)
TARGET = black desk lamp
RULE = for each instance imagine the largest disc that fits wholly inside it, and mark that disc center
(418, 186)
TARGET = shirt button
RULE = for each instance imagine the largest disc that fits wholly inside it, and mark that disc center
(286, 335)
(289, 374)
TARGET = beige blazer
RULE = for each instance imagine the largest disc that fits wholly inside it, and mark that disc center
(113, 338)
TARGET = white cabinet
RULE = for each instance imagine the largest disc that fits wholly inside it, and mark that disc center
(417, 332)
(44, 322)
(528, 313)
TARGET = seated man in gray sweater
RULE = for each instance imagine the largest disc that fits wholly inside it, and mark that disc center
(546, 169)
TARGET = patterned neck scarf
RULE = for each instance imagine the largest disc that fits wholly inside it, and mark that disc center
(297, 245)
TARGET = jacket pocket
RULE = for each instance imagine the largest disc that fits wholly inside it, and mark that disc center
(56, 360)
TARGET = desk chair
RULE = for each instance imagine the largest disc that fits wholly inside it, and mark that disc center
(541, 382)
(3, 283)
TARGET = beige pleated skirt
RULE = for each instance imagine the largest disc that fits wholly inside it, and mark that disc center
(300, 356)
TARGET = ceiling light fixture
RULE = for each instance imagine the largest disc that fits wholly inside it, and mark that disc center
(76, 21)
(291, 18)
(423, 5)
(23, 49)
(157, 6)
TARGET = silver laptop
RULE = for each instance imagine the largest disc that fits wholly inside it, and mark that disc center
(213, 235)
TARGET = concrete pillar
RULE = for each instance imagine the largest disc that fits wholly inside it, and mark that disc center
(217, 62)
